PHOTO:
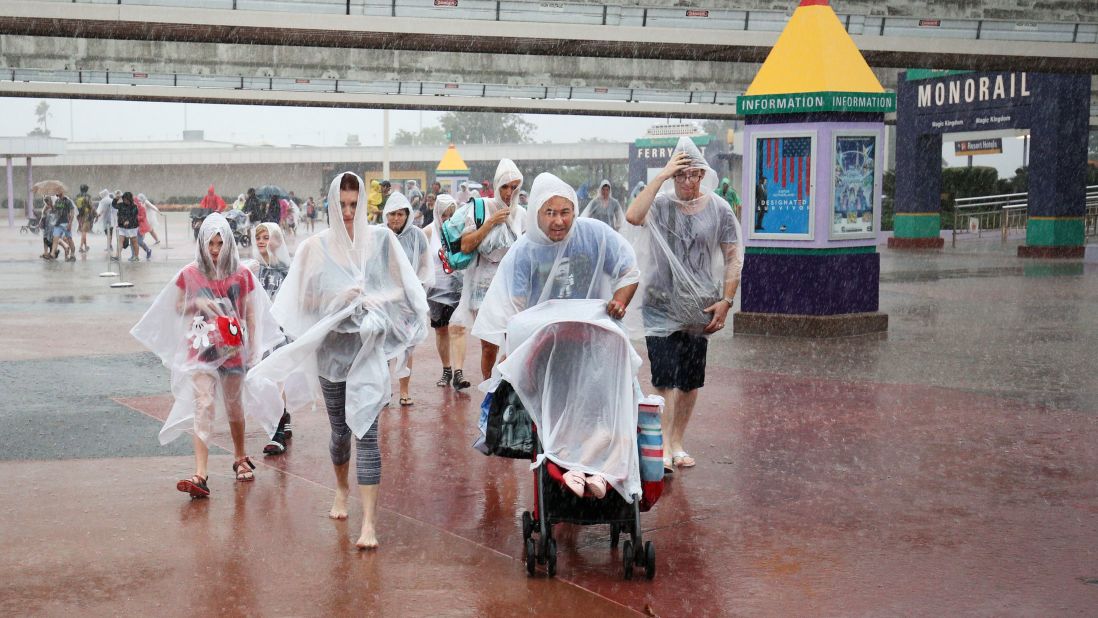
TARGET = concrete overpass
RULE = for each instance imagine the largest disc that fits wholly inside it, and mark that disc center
(430, 54)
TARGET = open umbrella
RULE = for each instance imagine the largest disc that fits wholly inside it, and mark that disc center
(49, 187)
(266, 192)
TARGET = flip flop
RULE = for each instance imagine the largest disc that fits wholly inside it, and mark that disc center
(406, 401)
(682, 459)
(668, 466)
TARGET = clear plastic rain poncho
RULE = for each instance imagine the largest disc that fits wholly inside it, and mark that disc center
(349, 307)
(682, 249)
(608, 211)
(592, 261)
(106, 212)
(151, 211)
(270, 271)
(446, 289)
(479, 274)
(412, 240)
(574, 370)
(208, 326)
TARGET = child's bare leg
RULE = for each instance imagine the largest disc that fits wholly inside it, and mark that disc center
(488, 353)
(232, 384)
(457, 347)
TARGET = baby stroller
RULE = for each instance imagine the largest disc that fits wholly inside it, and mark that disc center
(198, 215)
(574, 381)
(32, 226)
(240, 223)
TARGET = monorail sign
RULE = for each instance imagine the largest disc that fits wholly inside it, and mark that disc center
(969, 101)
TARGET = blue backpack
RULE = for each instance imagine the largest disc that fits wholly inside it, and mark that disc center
(451, 255)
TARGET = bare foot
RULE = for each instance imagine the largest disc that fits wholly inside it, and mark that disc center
(339, 505)
(368, 539)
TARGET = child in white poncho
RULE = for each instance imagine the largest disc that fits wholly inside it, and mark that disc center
(209, 325)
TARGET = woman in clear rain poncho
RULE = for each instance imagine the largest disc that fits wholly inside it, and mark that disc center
(442, 298)
(604, 207)
(560, 257)
(208, 326)
(152, 215)
(398, 218)
(350, 303)
(690, 249)
(502, 227)
(270, 266)
(106, 217)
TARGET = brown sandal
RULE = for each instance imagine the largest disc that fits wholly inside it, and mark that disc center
(240, 468)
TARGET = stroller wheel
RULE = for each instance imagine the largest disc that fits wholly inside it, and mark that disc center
(615, 534)
(627, 558)
(649, 560)
(551, 558)
(527, 525)
(531, 558)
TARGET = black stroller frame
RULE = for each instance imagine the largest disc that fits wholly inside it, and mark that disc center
(554, 505)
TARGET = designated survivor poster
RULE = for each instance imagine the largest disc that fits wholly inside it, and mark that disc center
(783, 191)
(852, 188)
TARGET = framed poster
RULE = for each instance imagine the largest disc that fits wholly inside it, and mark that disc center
(853, 186)
(783, 191)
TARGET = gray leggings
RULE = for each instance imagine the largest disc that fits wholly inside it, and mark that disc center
(368, 459)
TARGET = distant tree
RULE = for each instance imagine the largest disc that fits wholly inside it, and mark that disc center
(430, 136)
(487, 128)
(42, 112)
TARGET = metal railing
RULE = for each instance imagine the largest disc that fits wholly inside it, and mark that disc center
(649, 17)
(1008, 212)
(424, 88)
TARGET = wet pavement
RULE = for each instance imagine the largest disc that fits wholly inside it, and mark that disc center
(947, 467)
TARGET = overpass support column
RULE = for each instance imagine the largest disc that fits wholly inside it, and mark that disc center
(30, 190)
(1057, 170)
(11, 194)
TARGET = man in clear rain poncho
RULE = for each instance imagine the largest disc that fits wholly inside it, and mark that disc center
(503, 225)
(398, 218)
(582, 394)
(690, 250)
(443, 296)
(209, 325)
(604, 207)
(350, 303)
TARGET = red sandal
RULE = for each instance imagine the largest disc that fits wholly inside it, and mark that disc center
(243, 474)
(195, 486)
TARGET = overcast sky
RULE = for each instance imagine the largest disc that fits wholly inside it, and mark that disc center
(282, 126)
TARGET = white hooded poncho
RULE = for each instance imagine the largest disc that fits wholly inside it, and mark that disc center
(479, 274)
(349, 307)
(151, 211)
(213, 321)
(609, 211)
(272, 270)
(105, 211)
(592, 261)
(446, 289)
(412, 240)
(681, 249)
(575, 371)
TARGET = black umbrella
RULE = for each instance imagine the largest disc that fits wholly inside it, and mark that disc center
(266, 192)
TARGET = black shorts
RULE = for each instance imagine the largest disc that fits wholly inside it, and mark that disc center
(678, 360)
(440, 314)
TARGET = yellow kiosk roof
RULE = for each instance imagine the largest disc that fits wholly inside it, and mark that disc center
(452, 164)
(814, 54)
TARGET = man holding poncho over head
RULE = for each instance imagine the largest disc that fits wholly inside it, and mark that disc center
(690, 250)
(351, 303)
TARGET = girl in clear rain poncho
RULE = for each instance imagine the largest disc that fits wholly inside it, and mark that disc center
(442, 297)
(690, 250)
(208, 326)
(397, 216)
(350, 303)
(503, 225)
(270, 267)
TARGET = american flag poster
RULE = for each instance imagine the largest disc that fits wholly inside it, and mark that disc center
(783, 187)
(852, 186)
